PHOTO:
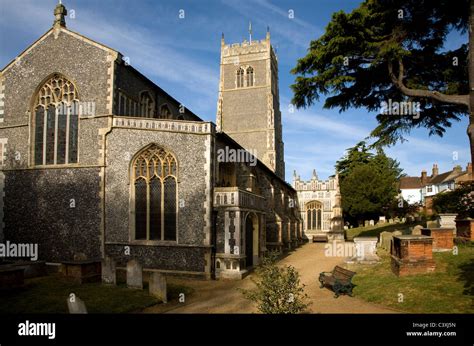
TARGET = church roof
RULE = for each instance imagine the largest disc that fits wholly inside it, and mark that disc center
(226, 138)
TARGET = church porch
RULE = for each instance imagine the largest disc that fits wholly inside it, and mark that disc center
(241, 239)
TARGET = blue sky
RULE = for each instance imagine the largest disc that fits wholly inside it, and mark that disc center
(182, 56)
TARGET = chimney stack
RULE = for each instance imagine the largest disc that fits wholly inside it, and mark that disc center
(469, 170)
(424, 177)
(434, 171)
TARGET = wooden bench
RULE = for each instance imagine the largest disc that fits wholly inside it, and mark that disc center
(340, 280)
(320, 238)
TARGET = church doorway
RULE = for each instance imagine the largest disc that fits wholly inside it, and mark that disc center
(251, 239)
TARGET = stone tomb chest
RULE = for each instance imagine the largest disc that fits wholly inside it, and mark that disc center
(442, 238)
(412, 254)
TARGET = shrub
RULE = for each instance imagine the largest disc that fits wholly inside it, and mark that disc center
(278, 290)
(460, 201)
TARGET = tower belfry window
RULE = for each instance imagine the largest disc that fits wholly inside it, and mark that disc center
(240, 77)
(250, 76)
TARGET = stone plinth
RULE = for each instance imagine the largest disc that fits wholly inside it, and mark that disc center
(366, 250)
(447, 220)
(442, 238)
(465, 228)
(81, 271)
(412, 254)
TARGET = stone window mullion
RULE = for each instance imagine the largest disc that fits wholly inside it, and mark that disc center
(45, 132)
(68, 122)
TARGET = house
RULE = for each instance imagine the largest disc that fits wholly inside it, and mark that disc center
(418, 189)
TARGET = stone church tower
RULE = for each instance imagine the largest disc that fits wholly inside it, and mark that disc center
(248, 107)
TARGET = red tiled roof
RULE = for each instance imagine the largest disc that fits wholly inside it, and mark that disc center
(410, 183)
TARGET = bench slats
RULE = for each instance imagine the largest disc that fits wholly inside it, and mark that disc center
(340, 280)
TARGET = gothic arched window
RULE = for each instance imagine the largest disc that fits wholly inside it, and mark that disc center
(249, 76)
(165, 112)
(240, 77)
(314, 215)
(155, 194)
(56, 120)
(147, 105)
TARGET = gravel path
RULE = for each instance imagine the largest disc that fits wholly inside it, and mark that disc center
(224, 297)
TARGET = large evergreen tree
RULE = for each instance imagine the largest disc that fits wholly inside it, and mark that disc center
(368, 183)
(394, 50)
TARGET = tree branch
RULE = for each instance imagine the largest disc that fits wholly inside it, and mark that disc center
(435, 95)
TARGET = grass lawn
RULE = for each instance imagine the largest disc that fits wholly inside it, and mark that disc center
(373, 231)
(450, 289)
(48, 294)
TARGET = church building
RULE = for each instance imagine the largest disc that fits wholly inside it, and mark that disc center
(320, 207)
(98, 160)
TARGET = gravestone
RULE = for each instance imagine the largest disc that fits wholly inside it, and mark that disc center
(386, 240)
(382, 219)
(371, 222)
(397, 233)
(109, 271)
(134, 275)
(417, 230)
(157, 286)
(390, 220)
(76, 305)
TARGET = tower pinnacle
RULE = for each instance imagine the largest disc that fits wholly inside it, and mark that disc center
(60, 13)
